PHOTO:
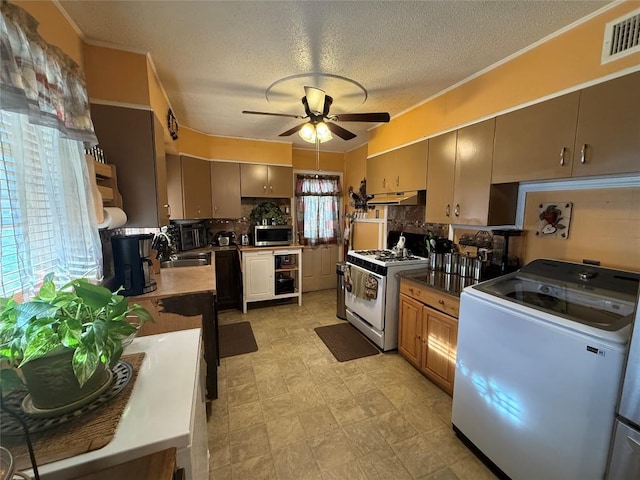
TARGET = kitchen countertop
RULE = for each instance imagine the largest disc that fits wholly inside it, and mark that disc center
(249, 248)
(438, 280)
(158, 415)
(182, 281)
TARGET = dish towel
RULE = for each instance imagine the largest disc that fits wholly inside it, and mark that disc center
(371, 287)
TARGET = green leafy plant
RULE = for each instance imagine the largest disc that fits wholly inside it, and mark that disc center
(268, 211)
(87, 318)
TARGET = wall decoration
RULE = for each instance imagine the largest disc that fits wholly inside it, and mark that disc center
(172, 125)
(554, 220)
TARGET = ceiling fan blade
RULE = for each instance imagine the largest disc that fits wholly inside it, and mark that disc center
(315, 99)
(291, 131)
(273, 114)
(363, 117)
(341, 132)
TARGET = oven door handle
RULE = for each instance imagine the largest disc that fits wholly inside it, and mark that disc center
(369, 272)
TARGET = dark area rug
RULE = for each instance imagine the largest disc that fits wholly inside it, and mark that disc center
(345, 342)
(236, 339)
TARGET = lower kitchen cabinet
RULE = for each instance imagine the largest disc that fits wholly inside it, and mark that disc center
(319, 267)
(427, 337)
(271, 273)
(228, 281)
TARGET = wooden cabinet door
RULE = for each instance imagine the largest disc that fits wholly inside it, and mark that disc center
(410, 330)
(196, 187)
(310, 274)
(253, 180)
(608, 134)
(440, 178)
(536, 142)
(258, 275)
(472, 184)
(410, 168)
(327, 267)
(228, 287)
(378, 179)
(439, 337)
(162, 200)
(174, 187)
(280, 182)
(225, 190)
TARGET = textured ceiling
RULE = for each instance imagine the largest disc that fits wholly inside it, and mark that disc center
(217, 58)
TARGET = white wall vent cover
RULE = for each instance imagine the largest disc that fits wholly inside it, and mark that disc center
(621, 37)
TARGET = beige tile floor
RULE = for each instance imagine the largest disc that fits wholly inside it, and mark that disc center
(292, 411)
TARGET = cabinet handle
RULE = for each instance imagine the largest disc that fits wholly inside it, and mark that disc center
(456, 211)
(441, 302)
(583, 154)
(264, 187)
(447, 211)
(271, 188)
(168, 207)
(410, 290)
(215, 208)
(397, 181)
(562, 152)
(384, 183)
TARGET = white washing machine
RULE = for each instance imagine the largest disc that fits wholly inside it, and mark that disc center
(539, 364)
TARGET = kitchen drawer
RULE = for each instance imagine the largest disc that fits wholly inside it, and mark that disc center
(433, 298)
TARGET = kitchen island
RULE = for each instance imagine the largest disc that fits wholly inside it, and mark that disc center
(165, 410)
(185, 298)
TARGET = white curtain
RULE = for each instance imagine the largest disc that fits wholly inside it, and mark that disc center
(46, 206)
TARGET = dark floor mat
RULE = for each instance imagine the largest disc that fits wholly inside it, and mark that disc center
(236, 339)
(345, 342)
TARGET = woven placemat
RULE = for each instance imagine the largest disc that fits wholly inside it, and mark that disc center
(81, 435)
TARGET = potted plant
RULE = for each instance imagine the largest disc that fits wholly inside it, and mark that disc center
(268, 211)
(65, 340)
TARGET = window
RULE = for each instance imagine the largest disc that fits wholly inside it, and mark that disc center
(318, 208)
(45, 208)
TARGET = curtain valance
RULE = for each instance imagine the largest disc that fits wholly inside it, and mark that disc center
(40, 80)
(320, 185)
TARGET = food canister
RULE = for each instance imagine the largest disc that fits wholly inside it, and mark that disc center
(466, 265)
(435, 261)
(477, 268)
(451, 262)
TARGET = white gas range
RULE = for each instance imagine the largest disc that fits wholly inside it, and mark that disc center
(372, 292)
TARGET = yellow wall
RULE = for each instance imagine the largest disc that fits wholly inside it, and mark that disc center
(54, 28)
(605, 226)
(160, 106)
(304, 159)
(116, 76)
(563, 62)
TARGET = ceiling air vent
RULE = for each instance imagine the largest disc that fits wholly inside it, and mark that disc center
(621, 37)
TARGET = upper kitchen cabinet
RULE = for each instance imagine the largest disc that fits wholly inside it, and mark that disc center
(440, 178)
(189, 187)
(266, 181)
(225, 190)
(459, 188)
(608, 133)
(536, 142)
(401, 170)
(133, 140)
(196, 187)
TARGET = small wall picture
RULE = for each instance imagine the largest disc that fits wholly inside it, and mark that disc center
(554, 220)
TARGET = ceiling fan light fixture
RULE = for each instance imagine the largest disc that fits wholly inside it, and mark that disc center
(323, 132)
(309, 132)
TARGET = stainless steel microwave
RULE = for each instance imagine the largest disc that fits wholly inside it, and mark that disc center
(273, 235)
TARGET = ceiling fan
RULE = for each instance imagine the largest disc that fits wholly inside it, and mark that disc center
(316, 106)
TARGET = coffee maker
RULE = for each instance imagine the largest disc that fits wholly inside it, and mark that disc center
(133, 269)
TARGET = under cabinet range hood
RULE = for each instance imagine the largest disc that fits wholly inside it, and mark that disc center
(401, 198)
